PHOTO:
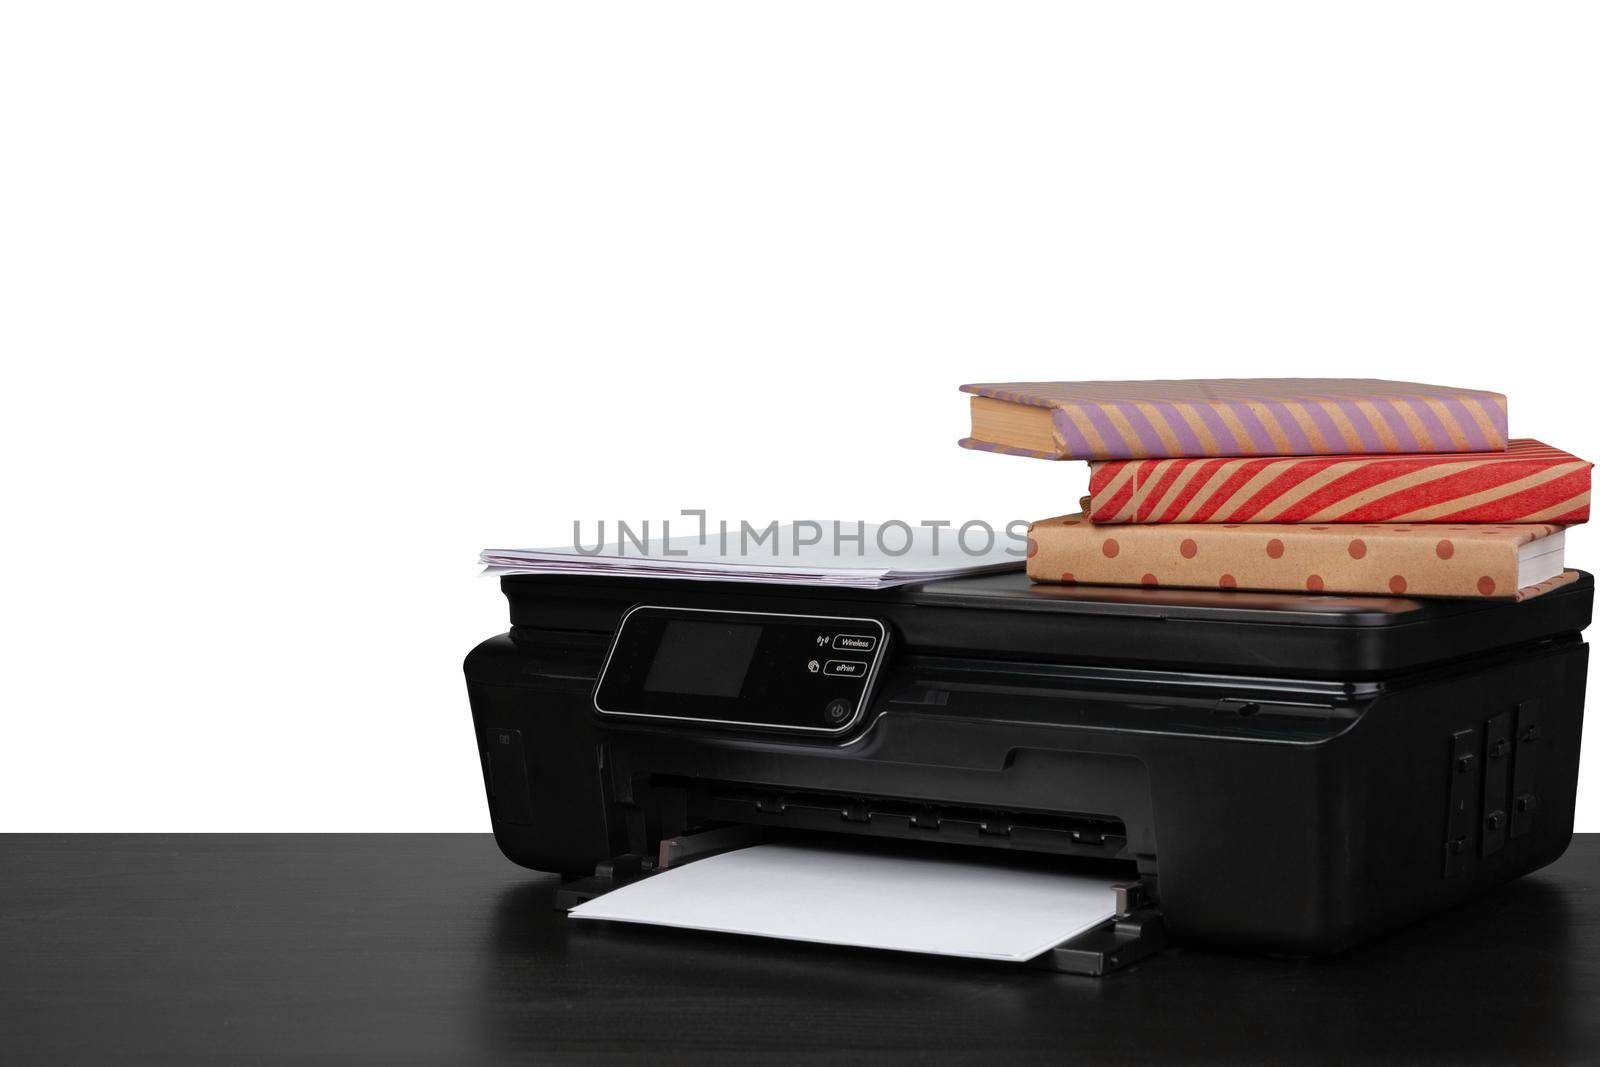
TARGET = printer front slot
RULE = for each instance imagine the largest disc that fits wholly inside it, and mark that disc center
(709, 804)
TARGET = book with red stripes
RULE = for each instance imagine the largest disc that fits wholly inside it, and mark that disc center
(1529, 482)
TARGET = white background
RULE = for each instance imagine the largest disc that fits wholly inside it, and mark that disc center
(303, 304)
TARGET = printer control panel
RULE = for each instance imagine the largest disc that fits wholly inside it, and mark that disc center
(800, 673)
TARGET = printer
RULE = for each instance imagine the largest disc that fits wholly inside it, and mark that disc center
(1265, 772)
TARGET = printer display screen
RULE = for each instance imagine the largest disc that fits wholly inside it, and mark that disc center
(702, 658)
(741, 668)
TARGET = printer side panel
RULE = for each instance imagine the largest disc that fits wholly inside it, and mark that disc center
(1456, 786)
(540, 757)
(1309, 849)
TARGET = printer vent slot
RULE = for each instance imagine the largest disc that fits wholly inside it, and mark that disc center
(1523, 799)
(1466, 773)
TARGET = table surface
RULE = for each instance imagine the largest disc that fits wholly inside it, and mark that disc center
(427, 947)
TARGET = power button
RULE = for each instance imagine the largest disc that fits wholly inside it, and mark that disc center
(837, 711)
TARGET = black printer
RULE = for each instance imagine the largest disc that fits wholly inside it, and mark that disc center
(1267, 772)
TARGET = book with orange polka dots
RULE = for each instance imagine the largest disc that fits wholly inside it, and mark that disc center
(1501, 562)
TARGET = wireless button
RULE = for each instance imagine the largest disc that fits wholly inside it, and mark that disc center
(855, 643)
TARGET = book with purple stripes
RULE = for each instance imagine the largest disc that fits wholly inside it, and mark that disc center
(1205, 417)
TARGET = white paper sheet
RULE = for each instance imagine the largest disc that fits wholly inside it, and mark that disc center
(844, 897)
(929, 556)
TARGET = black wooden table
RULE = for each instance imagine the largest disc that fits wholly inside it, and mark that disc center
(433, 948)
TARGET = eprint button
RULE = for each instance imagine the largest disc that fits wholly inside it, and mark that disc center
(845, 668)
(854, 643)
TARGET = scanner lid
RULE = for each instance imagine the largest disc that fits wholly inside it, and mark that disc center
(1005, 616)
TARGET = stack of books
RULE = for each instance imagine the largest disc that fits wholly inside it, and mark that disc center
(1320, 485)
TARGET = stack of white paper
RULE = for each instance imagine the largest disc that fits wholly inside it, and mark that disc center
(860, 564)
(844, 897)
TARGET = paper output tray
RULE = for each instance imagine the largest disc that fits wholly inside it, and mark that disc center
(1133, 933)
